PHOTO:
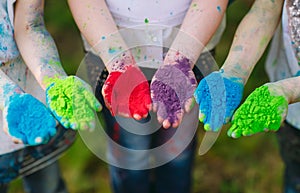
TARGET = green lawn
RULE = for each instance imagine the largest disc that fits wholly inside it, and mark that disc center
(248, 165)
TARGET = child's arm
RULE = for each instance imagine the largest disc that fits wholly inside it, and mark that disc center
(97, 25)
(172, 96)
(69, 98)
(251, 38)
(126, 90)
(249, 43)
(265, 108)
(35, 43)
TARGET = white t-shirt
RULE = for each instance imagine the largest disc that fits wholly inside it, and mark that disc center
(160, 19)
(282, 62)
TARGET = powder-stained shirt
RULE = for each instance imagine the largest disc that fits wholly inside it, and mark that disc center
(14, 67)
(160, 20)
(283, 61)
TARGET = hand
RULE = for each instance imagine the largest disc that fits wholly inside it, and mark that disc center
(172, 90)
(126, 91)
(218, 97)
(27, 120)
(264, 109)
(72, 102)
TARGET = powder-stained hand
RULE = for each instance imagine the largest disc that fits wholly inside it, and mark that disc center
(72, 102)
(218, 97)
(126, 91)
(172, 89)
(263, 110)
(28, 120)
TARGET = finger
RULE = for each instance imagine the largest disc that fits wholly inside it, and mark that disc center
(189, 104)
(166, 124)
(17, 140)
(198, 94)
(160, 119)
(154, 107)
(201, 116)
(137, 117)
(92, 101)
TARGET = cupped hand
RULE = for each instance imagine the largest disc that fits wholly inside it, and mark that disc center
(263, 110)
(218, 97)
(27, 120)
(126, 90)
(172, 89)
(72, 102)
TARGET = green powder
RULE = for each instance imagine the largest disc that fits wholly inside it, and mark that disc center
(71, 102)
(260, 111)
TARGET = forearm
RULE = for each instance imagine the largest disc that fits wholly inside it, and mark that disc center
(8, 88)
(289, 88)
(252, 37)
(35, 43)
(96, 24)
(200, 23)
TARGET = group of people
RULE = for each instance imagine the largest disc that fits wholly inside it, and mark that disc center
(151, 68)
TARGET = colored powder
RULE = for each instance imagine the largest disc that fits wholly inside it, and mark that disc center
(146, 20)
(170, 103)
(219, 8)
(218, 97)
(71, 101)
(103, 37)
(128, 92)
(260, 111)
(174, 85)
(298, 73)
(29, 120)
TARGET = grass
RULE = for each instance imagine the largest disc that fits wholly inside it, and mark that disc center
(248, 165)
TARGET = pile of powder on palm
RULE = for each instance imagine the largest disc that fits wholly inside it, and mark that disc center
(70, 101)
(260, 111)
(218, 98)
(29, 120)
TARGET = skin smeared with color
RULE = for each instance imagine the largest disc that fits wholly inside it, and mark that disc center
(25, 119)
(35, 124)
(126, 90)
(172, 90)
(72, 102)
(249, 43)
(43, 61)
(218, 97)
(265, 108)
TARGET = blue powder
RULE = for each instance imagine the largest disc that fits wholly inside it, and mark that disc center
(29, 120)
(298, 73)
(218, 98)
(219, 8)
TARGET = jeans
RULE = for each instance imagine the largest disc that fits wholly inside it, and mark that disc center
(289, 142)
(174, 176)
(46, 180)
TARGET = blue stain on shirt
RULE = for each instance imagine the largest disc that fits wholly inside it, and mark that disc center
(218, 97)
(28, 119)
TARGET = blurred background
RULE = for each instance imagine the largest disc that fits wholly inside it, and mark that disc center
(245, 165)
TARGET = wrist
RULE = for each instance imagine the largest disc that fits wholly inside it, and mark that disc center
(176, 58)
(121, 62)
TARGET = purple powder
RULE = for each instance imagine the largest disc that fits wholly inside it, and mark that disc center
(172, 87)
